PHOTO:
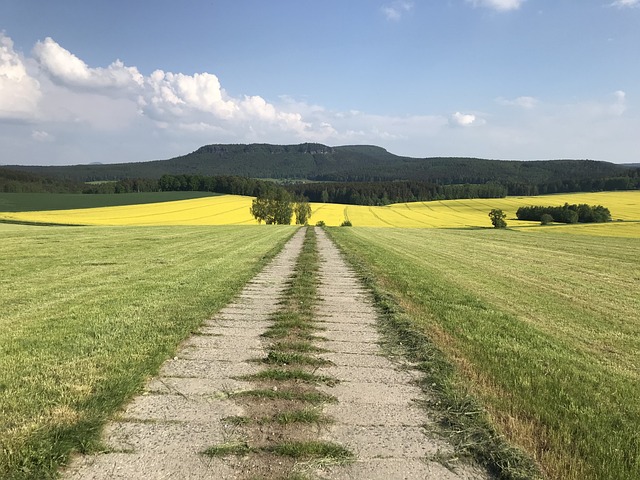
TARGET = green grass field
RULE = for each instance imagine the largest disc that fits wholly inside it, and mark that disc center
(89, 313)
(543, 327)
(29, 202)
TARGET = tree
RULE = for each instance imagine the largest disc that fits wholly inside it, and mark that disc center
(497, 217)
(302, 209)
(546, 219)
(273, 208)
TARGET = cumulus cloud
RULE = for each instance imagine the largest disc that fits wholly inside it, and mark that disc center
(625, 3)
(523, 102)
(67, 69)
(395, 10)
(499, 5)
(19, 92)
(177, 94)
(193, 102)
(463, 119)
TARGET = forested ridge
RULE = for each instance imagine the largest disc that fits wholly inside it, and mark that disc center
(365, 175)
(318, 162)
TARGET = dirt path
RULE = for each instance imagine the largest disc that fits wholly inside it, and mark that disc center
(161, 433)
(376, 416)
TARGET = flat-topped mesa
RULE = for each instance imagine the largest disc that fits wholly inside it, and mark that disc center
(309, 148)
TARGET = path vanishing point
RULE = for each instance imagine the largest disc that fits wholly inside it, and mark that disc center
(192, 405)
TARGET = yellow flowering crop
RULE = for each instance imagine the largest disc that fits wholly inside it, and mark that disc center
(234, 210)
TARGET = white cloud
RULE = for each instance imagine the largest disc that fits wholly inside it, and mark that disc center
(625, 3)
(395, 10)
(191, 102)
(499, 5)
(463, 119)
(523, 102)
(69, 70)
(19, 92)
(42, 136)
(178, 94)
(619, 105)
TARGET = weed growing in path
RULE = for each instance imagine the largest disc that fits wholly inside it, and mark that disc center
(278, 419)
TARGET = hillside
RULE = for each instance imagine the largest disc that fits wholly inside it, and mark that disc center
(15, 181)
(346, 163)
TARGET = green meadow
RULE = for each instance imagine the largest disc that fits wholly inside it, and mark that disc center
(87, 314)
(543, 329)
(27, 202)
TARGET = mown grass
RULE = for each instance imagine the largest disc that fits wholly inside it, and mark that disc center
(542, 328)
(89, 313)
(28, 202)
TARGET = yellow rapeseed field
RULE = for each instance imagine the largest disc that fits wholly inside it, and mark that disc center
(218, 210)
(234, 210)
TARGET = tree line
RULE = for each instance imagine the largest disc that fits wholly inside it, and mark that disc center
(384, 193)
(354, 193)
(351, 193)
(566, 213)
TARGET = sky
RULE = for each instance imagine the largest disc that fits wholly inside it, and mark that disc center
(120, 81)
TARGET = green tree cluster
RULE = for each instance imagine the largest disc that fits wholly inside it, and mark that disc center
(497, 217)
(566, 213)
(277, 207)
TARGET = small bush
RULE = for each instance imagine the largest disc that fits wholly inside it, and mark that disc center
(546, 219)
(320, 223)
(346, 223)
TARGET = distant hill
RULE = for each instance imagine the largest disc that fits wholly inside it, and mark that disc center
(346, 164)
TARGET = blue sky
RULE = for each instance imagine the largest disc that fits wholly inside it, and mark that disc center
(119, 81)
